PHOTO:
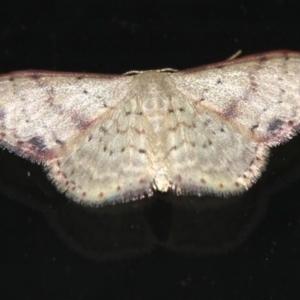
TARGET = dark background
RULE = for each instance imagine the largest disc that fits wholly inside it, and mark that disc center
(166, 247)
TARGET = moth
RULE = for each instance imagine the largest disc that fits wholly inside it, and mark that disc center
(114, 138)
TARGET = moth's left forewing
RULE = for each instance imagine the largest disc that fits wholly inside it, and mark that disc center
(41, 111)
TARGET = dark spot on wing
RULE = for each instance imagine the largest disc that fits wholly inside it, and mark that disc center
(253, 83)
(142, 150)
(2, 114)
(231, 111)
(79, 122)
(38, 143)
(275, 124)
(102, 129)
(254, 127)
(57, 141)
(207, 122)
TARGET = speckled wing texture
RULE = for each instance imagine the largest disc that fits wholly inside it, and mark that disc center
(115, 138)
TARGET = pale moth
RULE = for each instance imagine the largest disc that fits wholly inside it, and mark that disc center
(114, 138)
